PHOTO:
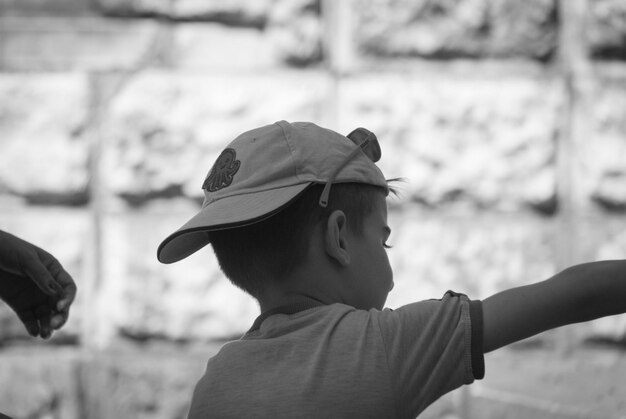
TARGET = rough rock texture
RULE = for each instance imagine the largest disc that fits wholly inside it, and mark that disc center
(547, 384)
(77, 43)
(163, 132)
(141, 299)
(602, 157)
(65, 383)
(65, 234)
(239, 12)
(43, 149)
(40, 383)
(157, 385)
(294, 28)
(479, 141)
(607, 29)
(453, 29)
(45, 8)
(478, 256)
(218, 47)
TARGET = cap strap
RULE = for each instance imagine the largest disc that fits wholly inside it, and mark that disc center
(326, 192)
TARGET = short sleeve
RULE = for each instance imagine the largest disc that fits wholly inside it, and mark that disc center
(432, 347)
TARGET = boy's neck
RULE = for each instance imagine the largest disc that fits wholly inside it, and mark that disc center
(313, 280)
(275, 300)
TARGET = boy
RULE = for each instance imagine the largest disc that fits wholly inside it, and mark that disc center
(296, 215)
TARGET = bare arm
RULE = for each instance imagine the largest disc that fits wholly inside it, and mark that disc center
(577, 294)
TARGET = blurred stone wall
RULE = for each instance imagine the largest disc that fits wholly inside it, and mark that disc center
(507, 119)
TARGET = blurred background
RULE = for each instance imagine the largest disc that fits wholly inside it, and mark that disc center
(507, 119)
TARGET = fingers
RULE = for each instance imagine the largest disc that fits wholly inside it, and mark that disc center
(62, 312)
(58, 320)
(52, 320)
(48, 275)
(45, 315)
(45, 328)
(41, 318)
(67, 295)
(68, 290)
(63, 283)
(40, 275)
(32, 328)
(64, 289)
(30, 322)
(64, 293)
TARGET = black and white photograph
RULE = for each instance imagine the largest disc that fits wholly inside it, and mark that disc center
(215, 209)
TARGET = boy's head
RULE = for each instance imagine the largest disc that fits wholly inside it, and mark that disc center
(267, 253)
(278, 190)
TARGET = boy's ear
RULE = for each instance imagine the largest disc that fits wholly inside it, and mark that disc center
(336, 237)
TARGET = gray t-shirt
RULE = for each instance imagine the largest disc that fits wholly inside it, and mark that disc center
(334, 361)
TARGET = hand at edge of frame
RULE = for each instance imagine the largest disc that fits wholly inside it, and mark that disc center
(35, 285)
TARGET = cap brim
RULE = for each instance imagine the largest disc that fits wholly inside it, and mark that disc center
(229, 212)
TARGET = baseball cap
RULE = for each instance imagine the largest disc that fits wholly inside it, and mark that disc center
(263, 170)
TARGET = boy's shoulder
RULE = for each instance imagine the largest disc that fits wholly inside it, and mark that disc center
(364, 354)
(312, 320)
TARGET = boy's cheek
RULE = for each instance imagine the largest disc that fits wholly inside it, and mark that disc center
(390, 275)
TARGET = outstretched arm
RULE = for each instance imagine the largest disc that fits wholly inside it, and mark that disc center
(578, 294)
(35, 285)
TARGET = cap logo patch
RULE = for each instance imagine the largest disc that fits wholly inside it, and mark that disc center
(223, 171)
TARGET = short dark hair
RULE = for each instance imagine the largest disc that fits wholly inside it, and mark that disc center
(269, 250)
